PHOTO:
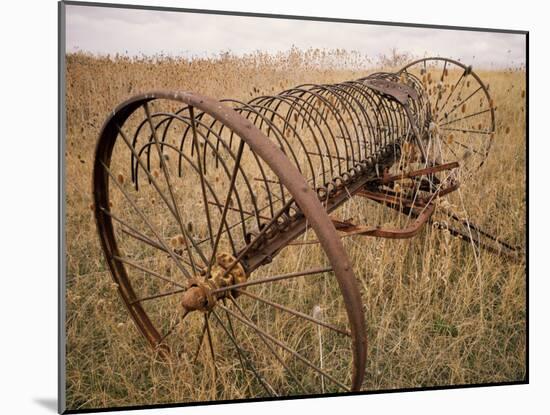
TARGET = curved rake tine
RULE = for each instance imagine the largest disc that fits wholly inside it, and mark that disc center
(201, 174)
(151, 179)
(226, 205)
(170, 189)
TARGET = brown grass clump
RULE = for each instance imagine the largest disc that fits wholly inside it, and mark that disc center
(436, 312)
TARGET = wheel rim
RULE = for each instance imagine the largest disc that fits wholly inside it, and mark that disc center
(147, 171)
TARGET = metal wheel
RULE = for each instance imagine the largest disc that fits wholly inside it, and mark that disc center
(196, 210)
(461, 118)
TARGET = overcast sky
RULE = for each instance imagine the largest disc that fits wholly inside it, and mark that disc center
(105, 30)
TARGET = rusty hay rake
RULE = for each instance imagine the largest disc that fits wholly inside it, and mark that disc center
(218, 218)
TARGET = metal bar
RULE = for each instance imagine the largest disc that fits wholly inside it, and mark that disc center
(270, 347)
(285, 347)
(231, 336)
(294, 312)
(273, 279)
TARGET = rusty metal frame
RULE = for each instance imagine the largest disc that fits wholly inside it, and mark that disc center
(357, 131)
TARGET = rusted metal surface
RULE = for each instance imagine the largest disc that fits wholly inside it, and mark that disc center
(286, 161)
(411, 230)
(401, 92)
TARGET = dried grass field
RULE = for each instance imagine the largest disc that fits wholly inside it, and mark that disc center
(438, 312)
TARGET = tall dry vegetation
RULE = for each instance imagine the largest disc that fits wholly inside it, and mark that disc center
(437, 314)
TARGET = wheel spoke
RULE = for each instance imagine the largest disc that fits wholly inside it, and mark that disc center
(144, 218)
(148, 271)
(271, 348)
(468, 148)
(273, 279)
(462, 102)
(294, 312)
(467, 130)
(134, 233)
(179, 320)
(441, 81)
(152, 297)
(457, 157)
(203, 332)
(233, 338)
(267, 387)
(150, 242)
(453, 89)
(254, 327)
(210, 344)
(465, 117)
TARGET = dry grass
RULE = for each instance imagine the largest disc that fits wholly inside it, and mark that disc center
(436, 314)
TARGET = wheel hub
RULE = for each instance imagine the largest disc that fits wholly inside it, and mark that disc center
(202, 294)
